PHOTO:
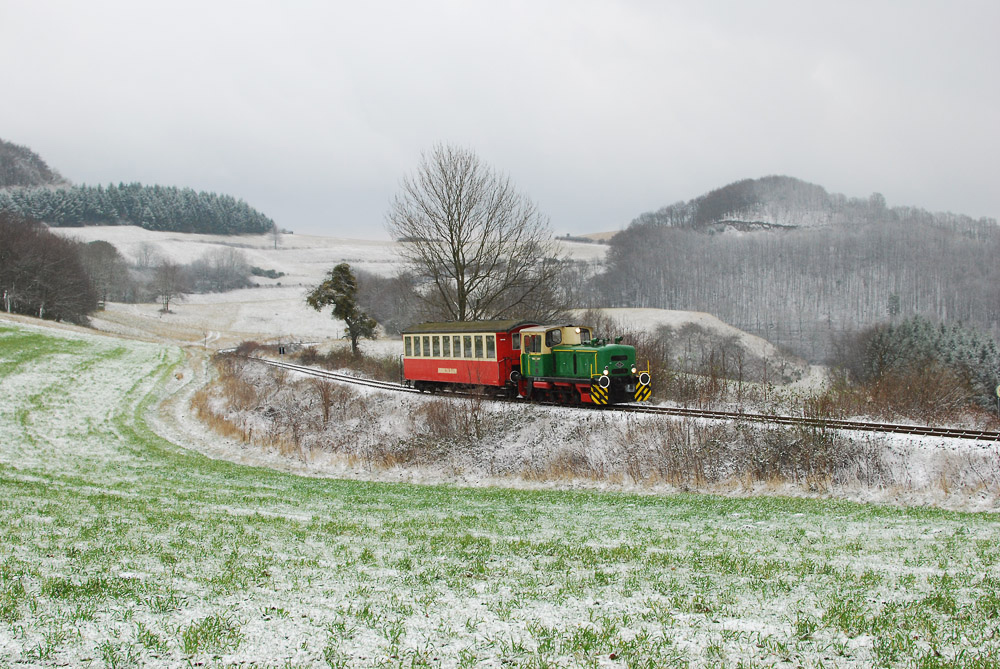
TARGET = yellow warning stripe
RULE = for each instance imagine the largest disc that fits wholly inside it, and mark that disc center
(642, 393)
(598, 395)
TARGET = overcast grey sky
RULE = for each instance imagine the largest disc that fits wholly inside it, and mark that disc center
(313, 111)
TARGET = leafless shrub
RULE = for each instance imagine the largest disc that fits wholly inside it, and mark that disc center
(929, 395)
(690, 453)
(441, 421)
(324, 390)
(248, 348)
(570, 463)
(201, 404)
(384, 368)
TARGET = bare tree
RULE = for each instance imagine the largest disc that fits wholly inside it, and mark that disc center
(108, 271)
(145, 255)
(482, 248)
(168, 283)
(275, 233)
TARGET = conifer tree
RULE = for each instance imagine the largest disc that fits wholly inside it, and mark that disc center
(340, 289)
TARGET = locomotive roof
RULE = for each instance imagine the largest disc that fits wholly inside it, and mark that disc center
(467, 326)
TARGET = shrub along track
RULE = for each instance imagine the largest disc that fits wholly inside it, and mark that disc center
(803, 421)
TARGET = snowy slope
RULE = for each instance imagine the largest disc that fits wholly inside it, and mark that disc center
(277, 311)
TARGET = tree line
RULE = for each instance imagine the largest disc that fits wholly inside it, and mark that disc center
(164, 208)
(48, 276)
(42, 274)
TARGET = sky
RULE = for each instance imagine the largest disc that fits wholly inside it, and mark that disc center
(313, 112)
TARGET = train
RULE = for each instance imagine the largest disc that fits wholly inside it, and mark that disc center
(550, 363)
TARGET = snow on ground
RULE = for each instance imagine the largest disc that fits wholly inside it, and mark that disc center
(221, 320)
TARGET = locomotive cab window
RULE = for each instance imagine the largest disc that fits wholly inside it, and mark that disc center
(584, 335)
(553, 338)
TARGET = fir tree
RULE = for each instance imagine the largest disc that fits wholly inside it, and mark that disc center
(340, 289)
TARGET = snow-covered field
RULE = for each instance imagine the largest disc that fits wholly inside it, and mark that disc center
(121, 546)
(304, 258)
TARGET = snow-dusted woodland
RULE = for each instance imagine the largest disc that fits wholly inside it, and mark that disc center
(122, 545)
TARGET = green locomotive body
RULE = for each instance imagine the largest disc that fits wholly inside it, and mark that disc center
(567, 364)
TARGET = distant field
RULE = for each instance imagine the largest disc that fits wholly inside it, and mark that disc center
(119, 548)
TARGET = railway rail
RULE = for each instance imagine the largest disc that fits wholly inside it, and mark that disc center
(707, 414)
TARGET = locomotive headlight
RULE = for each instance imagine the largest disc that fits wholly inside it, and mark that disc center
(634, 370)
(605, 371)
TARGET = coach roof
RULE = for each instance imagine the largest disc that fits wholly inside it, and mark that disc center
(466, 326)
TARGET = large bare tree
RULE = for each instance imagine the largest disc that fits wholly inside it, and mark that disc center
(483, 249)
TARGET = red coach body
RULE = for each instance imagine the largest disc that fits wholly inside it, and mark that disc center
(476, 353)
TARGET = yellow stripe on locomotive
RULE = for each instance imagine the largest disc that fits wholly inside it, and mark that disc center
(598, 394)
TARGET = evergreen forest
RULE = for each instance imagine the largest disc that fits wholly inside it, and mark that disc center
(164, 208)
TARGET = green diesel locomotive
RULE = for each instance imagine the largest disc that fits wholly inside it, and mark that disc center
(568, 364)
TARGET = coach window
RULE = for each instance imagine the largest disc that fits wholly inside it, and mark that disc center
(427, 346)
(479, 346)
(515, 341)
(467, 346)
(408, 346)
(456, 346)
(491, 347)
(436, 343)
(446, 346)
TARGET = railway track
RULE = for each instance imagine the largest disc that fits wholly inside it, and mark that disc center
(805, 421)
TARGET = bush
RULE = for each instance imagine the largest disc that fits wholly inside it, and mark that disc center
(918, 368)
(267, 273)
(383, 368)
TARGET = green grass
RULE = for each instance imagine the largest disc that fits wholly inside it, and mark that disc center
(119, 549)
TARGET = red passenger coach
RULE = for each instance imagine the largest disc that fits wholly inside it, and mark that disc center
(475, 353)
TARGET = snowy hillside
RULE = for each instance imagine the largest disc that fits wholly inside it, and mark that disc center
(276, 309)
